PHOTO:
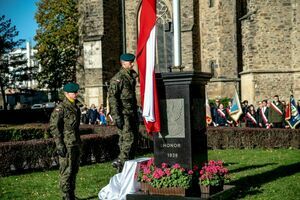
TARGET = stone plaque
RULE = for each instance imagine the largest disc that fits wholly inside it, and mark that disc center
(172, 119)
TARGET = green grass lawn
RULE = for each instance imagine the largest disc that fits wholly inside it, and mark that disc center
(258, 174)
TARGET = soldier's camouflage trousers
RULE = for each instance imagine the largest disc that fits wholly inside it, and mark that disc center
(68, 167)
(128, 139)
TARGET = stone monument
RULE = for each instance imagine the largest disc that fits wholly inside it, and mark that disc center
(182, 107)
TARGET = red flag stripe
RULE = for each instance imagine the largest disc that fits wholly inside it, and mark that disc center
(147, 23)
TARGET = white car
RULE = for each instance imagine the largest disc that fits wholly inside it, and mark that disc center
(37, 106)
(50, 105)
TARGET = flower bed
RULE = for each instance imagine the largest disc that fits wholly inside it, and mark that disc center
(165, 176)
(175, 180)
(213, 173)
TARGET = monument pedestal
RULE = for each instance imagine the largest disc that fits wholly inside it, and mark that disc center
(183, 124)
(183, 137)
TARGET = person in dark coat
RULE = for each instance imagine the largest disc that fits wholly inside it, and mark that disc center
(213, 108)
(251, 117)
(276, 113)
(264, 115)
(222, 116)
(93, 114)
(84, 114)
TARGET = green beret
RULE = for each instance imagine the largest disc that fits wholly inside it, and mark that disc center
(127, 57)
(71, 87)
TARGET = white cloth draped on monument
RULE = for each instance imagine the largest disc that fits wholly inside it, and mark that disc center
(123, 183)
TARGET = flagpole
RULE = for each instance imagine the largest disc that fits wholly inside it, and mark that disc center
(123, 26)
(177, 33)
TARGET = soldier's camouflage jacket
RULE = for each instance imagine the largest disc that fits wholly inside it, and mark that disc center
(64, 124)
(121, 94)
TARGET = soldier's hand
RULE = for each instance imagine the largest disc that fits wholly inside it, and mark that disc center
(62, 151)
(120, 123)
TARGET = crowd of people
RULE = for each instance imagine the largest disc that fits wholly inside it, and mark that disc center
(268, 114)
(94, 116)
(99, 116)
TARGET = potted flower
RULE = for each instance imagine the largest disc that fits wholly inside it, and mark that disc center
(213, 175)
(165, 179)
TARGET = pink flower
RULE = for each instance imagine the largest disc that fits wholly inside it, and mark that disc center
(164, 165)
(158, 173)
(146, 171)
(168, 171)
(213, 170)
(150, 162)
(176, 166)
(144, 177)
(190, 172)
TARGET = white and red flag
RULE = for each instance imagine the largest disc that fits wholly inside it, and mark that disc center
(146, 60)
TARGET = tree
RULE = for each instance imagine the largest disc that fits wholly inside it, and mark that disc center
(57, 42)
(7, 45)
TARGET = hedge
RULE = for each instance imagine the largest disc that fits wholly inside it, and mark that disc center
(20, 156)
(35, 131)
(249, 138)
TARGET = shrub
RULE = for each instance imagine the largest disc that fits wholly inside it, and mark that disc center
(19, 134)
(19, 156)
(35, 131)
(224, 138)
(41, 154)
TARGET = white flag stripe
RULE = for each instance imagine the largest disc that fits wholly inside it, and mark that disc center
(148, 107)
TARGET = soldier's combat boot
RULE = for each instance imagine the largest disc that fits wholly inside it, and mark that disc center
(118, 165)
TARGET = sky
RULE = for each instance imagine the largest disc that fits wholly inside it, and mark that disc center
(21, 13)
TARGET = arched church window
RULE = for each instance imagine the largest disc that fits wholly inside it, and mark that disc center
(164, 46)
(164, 36)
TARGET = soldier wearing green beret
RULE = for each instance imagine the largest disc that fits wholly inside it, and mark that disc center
(64, 125)
(123, 108)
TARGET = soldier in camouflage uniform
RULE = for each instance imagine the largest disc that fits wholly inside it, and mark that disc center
(123, 108)
(64, 125)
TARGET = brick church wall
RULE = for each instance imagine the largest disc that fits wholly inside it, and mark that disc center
(218, 46)
(269, 43)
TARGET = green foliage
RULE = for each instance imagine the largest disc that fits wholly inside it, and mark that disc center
(224, 101)
(7, 45)
(57, 41)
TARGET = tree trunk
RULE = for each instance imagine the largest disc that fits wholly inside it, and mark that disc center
(3, 95)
